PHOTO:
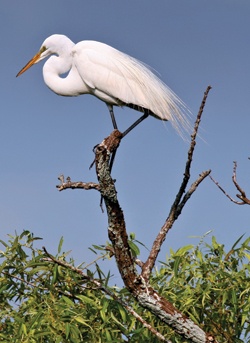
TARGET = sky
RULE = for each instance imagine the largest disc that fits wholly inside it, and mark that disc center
(190, 44)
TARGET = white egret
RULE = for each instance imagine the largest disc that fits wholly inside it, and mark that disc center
(112, 76)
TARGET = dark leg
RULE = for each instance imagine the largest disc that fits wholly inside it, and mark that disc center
(112, 158)
(145, 115)
(138, 121)
(110, 107)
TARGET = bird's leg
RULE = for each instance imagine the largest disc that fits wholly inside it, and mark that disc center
(138, 121)
(112, 158)
(110, 107)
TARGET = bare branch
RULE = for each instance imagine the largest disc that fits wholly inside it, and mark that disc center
(178, 204)
(76, 185)
(117, 228)
(223, 191)
(242, 196)
(191, 190)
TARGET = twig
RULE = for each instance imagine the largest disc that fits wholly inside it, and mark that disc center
(76, 185)
(178, 204)
(223, 191)
(24, 281)
(242, 195)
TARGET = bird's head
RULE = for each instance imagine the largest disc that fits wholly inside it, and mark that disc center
(55, 44)
(42, 53)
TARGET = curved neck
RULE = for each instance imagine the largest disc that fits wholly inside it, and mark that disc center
(71, 85)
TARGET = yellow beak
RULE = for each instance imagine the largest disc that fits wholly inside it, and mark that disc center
(30, 63)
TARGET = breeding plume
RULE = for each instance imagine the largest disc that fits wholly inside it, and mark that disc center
(110, 75)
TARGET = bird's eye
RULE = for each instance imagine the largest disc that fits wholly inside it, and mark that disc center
(43, 48)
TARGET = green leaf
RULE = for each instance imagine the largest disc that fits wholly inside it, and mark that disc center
(68, 301)
(3, 243)
(117, 321)
(122, 312)
(176, 265)
(24, 329)
(98, 247)
(108, 336)
(82, 321)
(132, 236)
(86, 300)
(67, 329)
(183, 250)
(60, 245)
(134, 248)
(55, 274)
(237, 242)
(234, 297)
(224, 297)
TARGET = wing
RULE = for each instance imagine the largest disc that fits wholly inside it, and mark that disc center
(120, 79)
(108, 71)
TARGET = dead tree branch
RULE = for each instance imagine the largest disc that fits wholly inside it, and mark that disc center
(242, 196)
(180, 200)
(75, 185)
(135, 283)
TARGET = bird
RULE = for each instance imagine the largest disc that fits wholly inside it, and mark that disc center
(114, 77)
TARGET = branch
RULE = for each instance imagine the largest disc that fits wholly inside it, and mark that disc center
(76, 185)
(136, 285)
(117, 228)
(242, 195)
(179, 203)
(28, 283)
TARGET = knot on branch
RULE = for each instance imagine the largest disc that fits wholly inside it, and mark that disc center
(110, 143)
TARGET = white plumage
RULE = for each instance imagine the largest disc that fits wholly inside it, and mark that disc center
(110, 75)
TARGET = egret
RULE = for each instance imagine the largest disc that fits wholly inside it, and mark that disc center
(109, 74)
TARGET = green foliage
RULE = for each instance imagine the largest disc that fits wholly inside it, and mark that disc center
(42, 301)
(211, 287)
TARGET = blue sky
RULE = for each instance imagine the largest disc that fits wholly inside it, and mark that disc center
(191, 44)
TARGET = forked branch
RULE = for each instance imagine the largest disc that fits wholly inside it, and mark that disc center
(180, 199)
(135, 283)
(242, 196)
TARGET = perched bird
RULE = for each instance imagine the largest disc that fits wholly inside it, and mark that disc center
(109, 74)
